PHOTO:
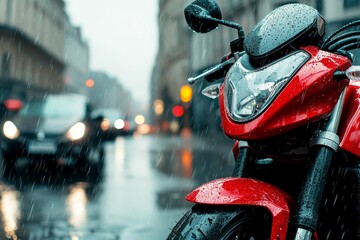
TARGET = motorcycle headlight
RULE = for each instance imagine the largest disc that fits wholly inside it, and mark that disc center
(76, 132)
(249, 92)
(10, 130)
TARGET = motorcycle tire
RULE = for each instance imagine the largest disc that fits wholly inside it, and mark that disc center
(223, 223)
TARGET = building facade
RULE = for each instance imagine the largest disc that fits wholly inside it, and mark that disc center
(172, 61)
(31, 48)
(76, 58)
(107, 92)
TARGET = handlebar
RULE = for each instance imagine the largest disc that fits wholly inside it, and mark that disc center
(219, 70)
(212, 71)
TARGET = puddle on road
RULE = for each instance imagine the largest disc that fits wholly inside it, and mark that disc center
(201, 166)
(173, 199)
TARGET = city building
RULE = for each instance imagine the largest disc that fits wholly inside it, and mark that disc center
(172, 61)
(107, 92)
(76, 57)
(31, 48)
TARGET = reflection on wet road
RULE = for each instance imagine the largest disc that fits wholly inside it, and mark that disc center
(139, 194)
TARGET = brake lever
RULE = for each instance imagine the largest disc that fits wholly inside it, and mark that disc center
(211, 70)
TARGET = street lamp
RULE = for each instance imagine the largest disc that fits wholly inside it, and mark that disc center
(158, 107)
(185, 93)
(185, 97)
(140, 119)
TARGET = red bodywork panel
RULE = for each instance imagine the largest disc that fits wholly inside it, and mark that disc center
(310, 95)
(245, 191)
(349, 130)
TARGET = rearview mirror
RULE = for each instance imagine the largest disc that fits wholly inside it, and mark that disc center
(201, 15)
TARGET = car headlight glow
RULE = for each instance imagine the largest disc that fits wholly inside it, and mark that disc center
(105, 124)
(10, 130)
(76, 132)
(119, 124)
(249, 92)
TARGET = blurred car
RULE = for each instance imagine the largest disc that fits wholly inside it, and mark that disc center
(114, 123)
(58, 127)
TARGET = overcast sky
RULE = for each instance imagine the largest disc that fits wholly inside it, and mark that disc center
(123, 39)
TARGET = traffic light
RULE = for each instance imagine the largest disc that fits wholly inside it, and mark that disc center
(178, 111)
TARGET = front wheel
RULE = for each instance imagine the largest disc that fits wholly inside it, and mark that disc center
(223, 223)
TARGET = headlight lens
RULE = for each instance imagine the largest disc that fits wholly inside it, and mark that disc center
(10, 130)
(76, 132)
(249, 92)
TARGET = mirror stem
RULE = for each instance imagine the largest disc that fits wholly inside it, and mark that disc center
(230, 24)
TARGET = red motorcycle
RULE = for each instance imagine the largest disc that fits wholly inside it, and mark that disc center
(292, 101)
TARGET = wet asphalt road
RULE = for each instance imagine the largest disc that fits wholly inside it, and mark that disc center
(138, 195)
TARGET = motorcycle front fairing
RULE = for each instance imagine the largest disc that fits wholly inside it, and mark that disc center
(308, 96)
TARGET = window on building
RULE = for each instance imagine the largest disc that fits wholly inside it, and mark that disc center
(5, 64)
(351, 3)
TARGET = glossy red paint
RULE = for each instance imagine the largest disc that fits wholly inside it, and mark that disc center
(244, 191)
(310, 95)
(235, 149)
(349, 130)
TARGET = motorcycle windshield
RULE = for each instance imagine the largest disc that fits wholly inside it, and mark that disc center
(249, 92)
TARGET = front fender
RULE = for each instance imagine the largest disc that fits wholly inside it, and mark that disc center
(244, 191)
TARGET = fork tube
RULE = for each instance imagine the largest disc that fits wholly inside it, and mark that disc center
(334, 120)
(243, 161)
(310, 197)
(324, 145)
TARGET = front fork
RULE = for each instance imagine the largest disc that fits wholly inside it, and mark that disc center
(323, 144)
